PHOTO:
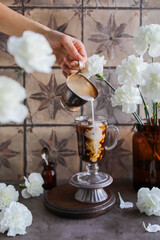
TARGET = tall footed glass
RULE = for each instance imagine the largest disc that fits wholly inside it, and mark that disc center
(92, 146)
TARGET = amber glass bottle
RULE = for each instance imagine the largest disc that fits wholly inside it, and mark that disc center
(49, 175)
(146, 156)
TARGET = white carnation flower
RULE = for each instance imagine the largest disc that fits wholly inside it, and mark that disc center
(11, 94)
(7, 195)
(32, 52)
(33, 186)
(151, 76)
(15, 219)
(130, 71)
(148, 201)
(148, 38)
(128, 97)
(94, 66)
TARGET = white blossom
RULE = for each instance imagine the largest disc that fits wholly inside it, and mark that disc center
(94, 66)
(33, 185)
(7, 195)
(32, 52)
(15, 219)
(128, 97)
(151, 76)
(124, 204)
(11, 96)
(148, 201)
(148, 38)
(151, 228)
(130, 71)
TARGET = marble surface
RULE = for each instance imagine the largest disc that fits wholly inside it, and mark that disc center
(117, 224)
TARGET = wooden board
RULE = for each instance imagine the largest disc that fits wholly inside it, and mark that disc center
(61, 201)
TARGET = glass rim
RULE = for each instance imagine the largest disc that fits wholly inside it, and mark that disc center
(97, 118)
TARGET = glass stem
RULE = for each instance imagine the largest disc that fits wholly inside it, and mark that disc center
(92, 168)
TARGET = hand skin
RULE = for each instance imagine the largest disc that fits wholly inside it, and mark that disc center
(68, 50)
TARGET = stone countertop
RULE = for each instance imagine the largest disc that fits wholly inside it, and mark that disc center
(116, 224)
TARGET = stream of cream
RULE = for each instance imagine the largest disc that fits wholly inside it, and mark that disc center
(89, 99)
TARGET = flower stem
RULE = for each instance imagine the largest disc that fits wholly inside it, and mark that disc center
(22, 185)
(145, 108)
(19, 73)
(155, 113)
(157, 123)
(101, 77)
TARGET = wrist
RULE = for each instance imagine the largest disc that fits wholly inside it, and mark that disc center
(42, 29)
(53, 37)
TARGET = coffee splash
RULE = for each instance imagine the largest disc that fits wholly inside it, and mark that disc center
(91, 140)
(96, 138)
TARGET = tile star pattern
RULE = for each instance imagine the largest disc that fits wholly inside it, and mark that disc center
(106, 27)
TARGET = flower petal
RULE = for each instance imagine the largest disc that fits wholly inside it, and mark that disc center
(33, 185)
(124, 204)
(7, 195)
(25, 194)
(148, 201)
(11, 108)
(15, 219)
(32, 52)
(94, 66)
(152, 228)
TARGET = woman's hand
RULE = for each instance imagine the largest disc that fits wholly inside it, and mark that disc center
(68, 51)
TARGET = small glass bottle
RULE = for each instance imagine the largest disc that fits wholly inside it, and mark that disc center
(49, 175)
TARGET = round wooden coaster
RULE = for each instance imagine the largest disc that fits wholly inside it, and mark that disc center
(61, 201)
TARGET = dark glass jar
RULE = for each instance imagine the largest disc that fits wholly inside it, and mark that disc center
(49, 175)
(146, 156)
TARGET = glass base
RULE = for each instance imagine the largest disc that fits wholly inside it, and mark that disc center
(91, 195)
(90, 186)
(86, 178)
(92, 176)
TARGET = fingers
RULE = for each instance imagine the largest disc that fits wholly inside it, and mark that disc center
(66, 70)
(75, 52)
(81, 49)
(75, 48)
(73, 64)
(68, 44)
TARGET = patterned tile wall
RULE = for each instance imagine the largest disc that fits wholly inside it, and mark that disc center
(106, 27)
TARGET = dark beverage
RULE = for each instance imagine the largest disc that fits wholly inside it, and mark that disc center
(91, 140)
(146, 156)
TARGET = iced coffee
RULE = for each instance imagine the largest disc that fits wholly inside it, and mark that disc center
(91, 139)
